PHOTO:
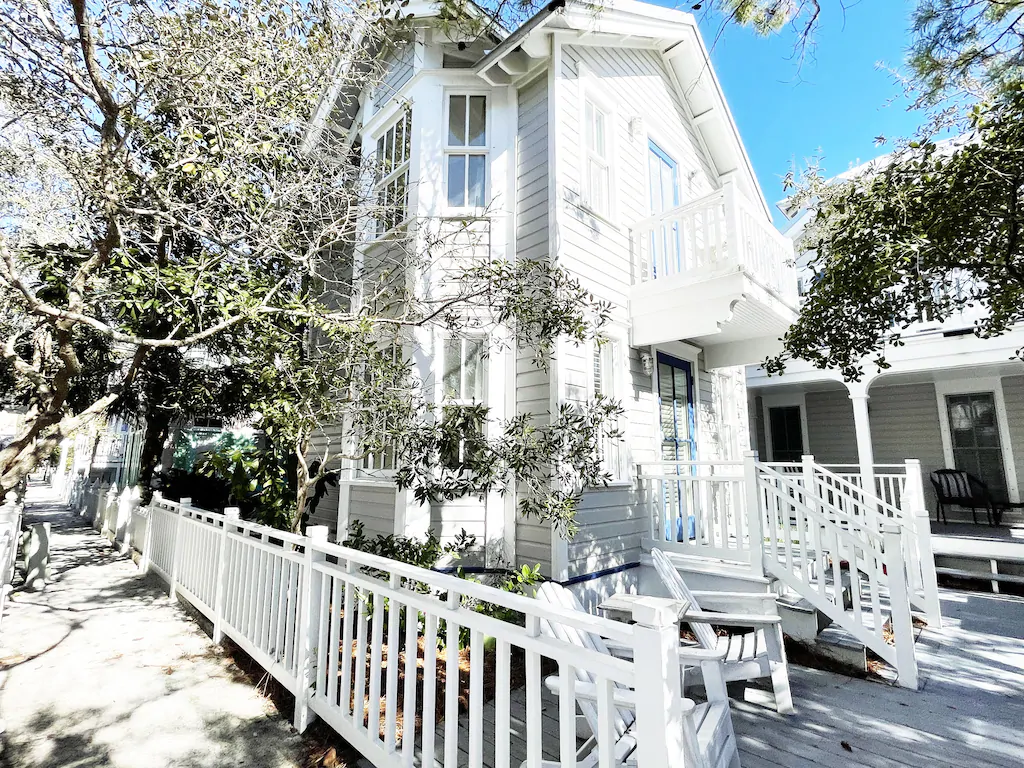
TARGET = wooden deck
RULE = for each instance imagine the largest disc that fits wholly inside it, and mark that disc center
(968, 714)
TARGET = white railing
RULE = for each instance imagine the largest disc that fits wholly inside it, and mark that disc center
(372, 646)
(715, 234)
(849, 569)
(697, 508)
(890, 479)
(108, 510)
(10, 533)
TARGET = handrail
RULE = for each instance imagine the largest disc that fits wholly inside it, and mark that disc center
(691, 205)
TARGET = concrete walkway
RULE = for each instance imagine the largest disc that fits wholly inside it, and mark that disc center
(102, 669)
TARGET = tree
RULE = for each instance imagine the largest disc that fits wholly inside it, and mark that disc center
(934, 227)
(190, 212)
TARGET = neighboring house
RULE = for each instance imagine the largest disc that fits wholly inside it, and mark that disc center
(601, 140)
(950, 399)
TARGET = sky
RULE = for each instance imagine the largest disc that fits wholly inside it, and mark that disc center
(832, 106)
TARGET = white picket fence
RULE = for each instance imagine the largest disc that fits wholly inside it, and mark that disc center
(109, 510)
(10, 533)
(339, 629)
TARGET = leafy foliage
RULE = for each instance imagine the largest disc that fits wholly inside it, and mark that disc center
(926, 233)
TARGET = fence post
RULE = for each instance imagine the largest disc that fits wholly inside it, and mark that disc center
(659, 703)
(899, 606)
(230, 517)
(148, 538)
(755, 529)
(176, 555)
(306, 631)
(913, 506)
(807, 464)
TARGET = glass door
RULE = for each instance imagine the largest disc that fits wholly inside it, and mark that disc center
(974, 436)
(663, 177)
(786, 433)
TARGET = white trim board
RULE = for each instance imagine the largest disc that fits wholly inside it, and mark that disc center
(993, 384)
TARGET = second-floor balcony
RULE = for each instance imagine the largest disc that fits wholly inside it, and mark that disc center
(713, 271)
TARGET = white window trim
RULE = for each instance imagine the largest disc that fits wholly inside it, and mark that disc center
(396, 117)
(485, 151)
(993, 384)
(653, 137)
(783, 401)
(622, 474)
(589, 91)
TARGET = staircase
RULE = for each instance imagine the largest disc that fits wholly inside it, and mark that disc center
(849, 566)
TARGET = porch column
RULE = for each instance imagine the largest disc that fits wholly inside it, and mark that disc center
(862, 423)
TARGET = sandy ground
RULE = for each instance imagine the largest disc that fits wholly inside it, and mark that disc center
(101, 669)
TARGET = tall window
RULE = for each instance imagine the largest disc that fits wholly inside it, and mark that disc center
(464, 383)
(666, 240)
(974, 434)
(466, 154)
(606, 368)
(393, 174)
(597, 170)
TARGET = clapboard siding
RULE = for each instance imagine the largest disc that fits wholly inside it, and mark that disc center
(830, 431)
(1013, 399)
(449, 519)
(327, 440)
(905, 425)
(373, 504)
(611, 529)
(396, 70)
(637, 85)
(532, 170)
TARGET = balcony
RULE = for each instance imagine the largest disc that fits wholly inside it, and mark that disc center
(714, 272)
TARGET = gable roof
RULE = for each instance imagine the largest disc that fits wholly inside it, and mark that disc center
(628, 23)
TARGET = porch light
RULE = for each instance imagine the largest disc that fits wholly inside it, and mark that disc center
(647, 361)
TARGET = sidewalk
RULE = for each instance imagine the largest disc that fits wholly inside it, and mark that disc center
(102, 669)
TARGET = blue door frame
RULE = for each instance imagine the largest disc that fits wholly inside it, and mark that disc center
(690, 421)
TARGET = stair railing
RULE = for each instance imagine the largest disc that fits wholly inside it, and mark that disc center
(850, 569)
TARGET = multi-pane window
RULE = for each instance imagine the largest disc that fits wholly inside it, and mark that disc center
(606, 365)
(974, 434)
(464, 382)
(393, 174)
(466, 153)
(597, 176)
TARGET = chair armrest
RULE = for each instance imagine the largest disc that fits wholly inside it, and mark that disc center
(732, 619)
(687, 653)
(738, 602)
(623, 698)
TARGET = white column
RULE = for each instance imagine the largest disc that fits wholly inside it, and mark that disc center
(862, 423)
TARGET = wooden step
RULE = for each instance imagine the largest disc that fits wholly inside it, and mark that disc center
(708, 574)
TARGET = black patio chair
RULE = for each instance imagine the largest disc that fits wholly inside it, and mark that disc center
(954, 486)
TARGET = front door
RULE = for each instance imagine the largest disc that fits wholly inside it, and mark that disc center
(786, 431)
(974, 437)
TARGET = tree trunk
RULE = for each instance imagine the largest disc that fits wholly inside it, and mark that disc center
(158, 426)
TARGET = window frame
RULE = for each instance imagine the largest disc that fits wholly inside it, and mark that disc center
(466, 150)
(614, 360)
(589, 94)
(403, 115)
(460, 401)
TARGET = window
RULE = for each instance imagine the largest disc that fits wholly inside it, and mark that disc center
(597, 168)
(974, 435)
(393, 174)
(466, 155)
(666, 239)
(675, 402)
(464, 382)
(606, 368)
(786, 430)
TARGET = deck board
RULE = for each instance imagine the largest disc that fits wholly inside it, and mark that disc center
(968, 713)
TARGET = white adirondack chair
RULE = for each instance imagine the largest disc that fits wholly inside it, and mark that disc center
(748, 656)
(708, 731)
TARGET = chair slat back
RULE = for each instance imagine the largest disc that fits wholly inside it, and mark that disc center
(554, 593)
(951, 485)
(678, 590)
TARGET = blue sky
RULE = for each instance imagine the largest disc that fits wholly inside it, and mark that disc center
(835, 103)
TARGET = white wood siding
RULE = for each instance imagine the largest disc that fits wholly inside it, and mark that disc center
(448, 519)
(374, 506)
(1013, 398)
(830, 430)
(532, 170)
(611, 528)
(396, 71)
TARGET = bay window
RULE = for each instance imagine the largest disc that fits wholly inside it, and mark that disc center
(392, 186)
(466, 151)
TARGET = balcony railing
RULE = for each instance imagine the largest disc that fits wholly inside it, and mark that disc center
(718, 233)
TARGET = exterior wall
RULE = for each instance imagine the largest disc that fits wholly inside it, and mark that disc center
(373, 504)
(1013, 397)
(831, 436)
(396, 70)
